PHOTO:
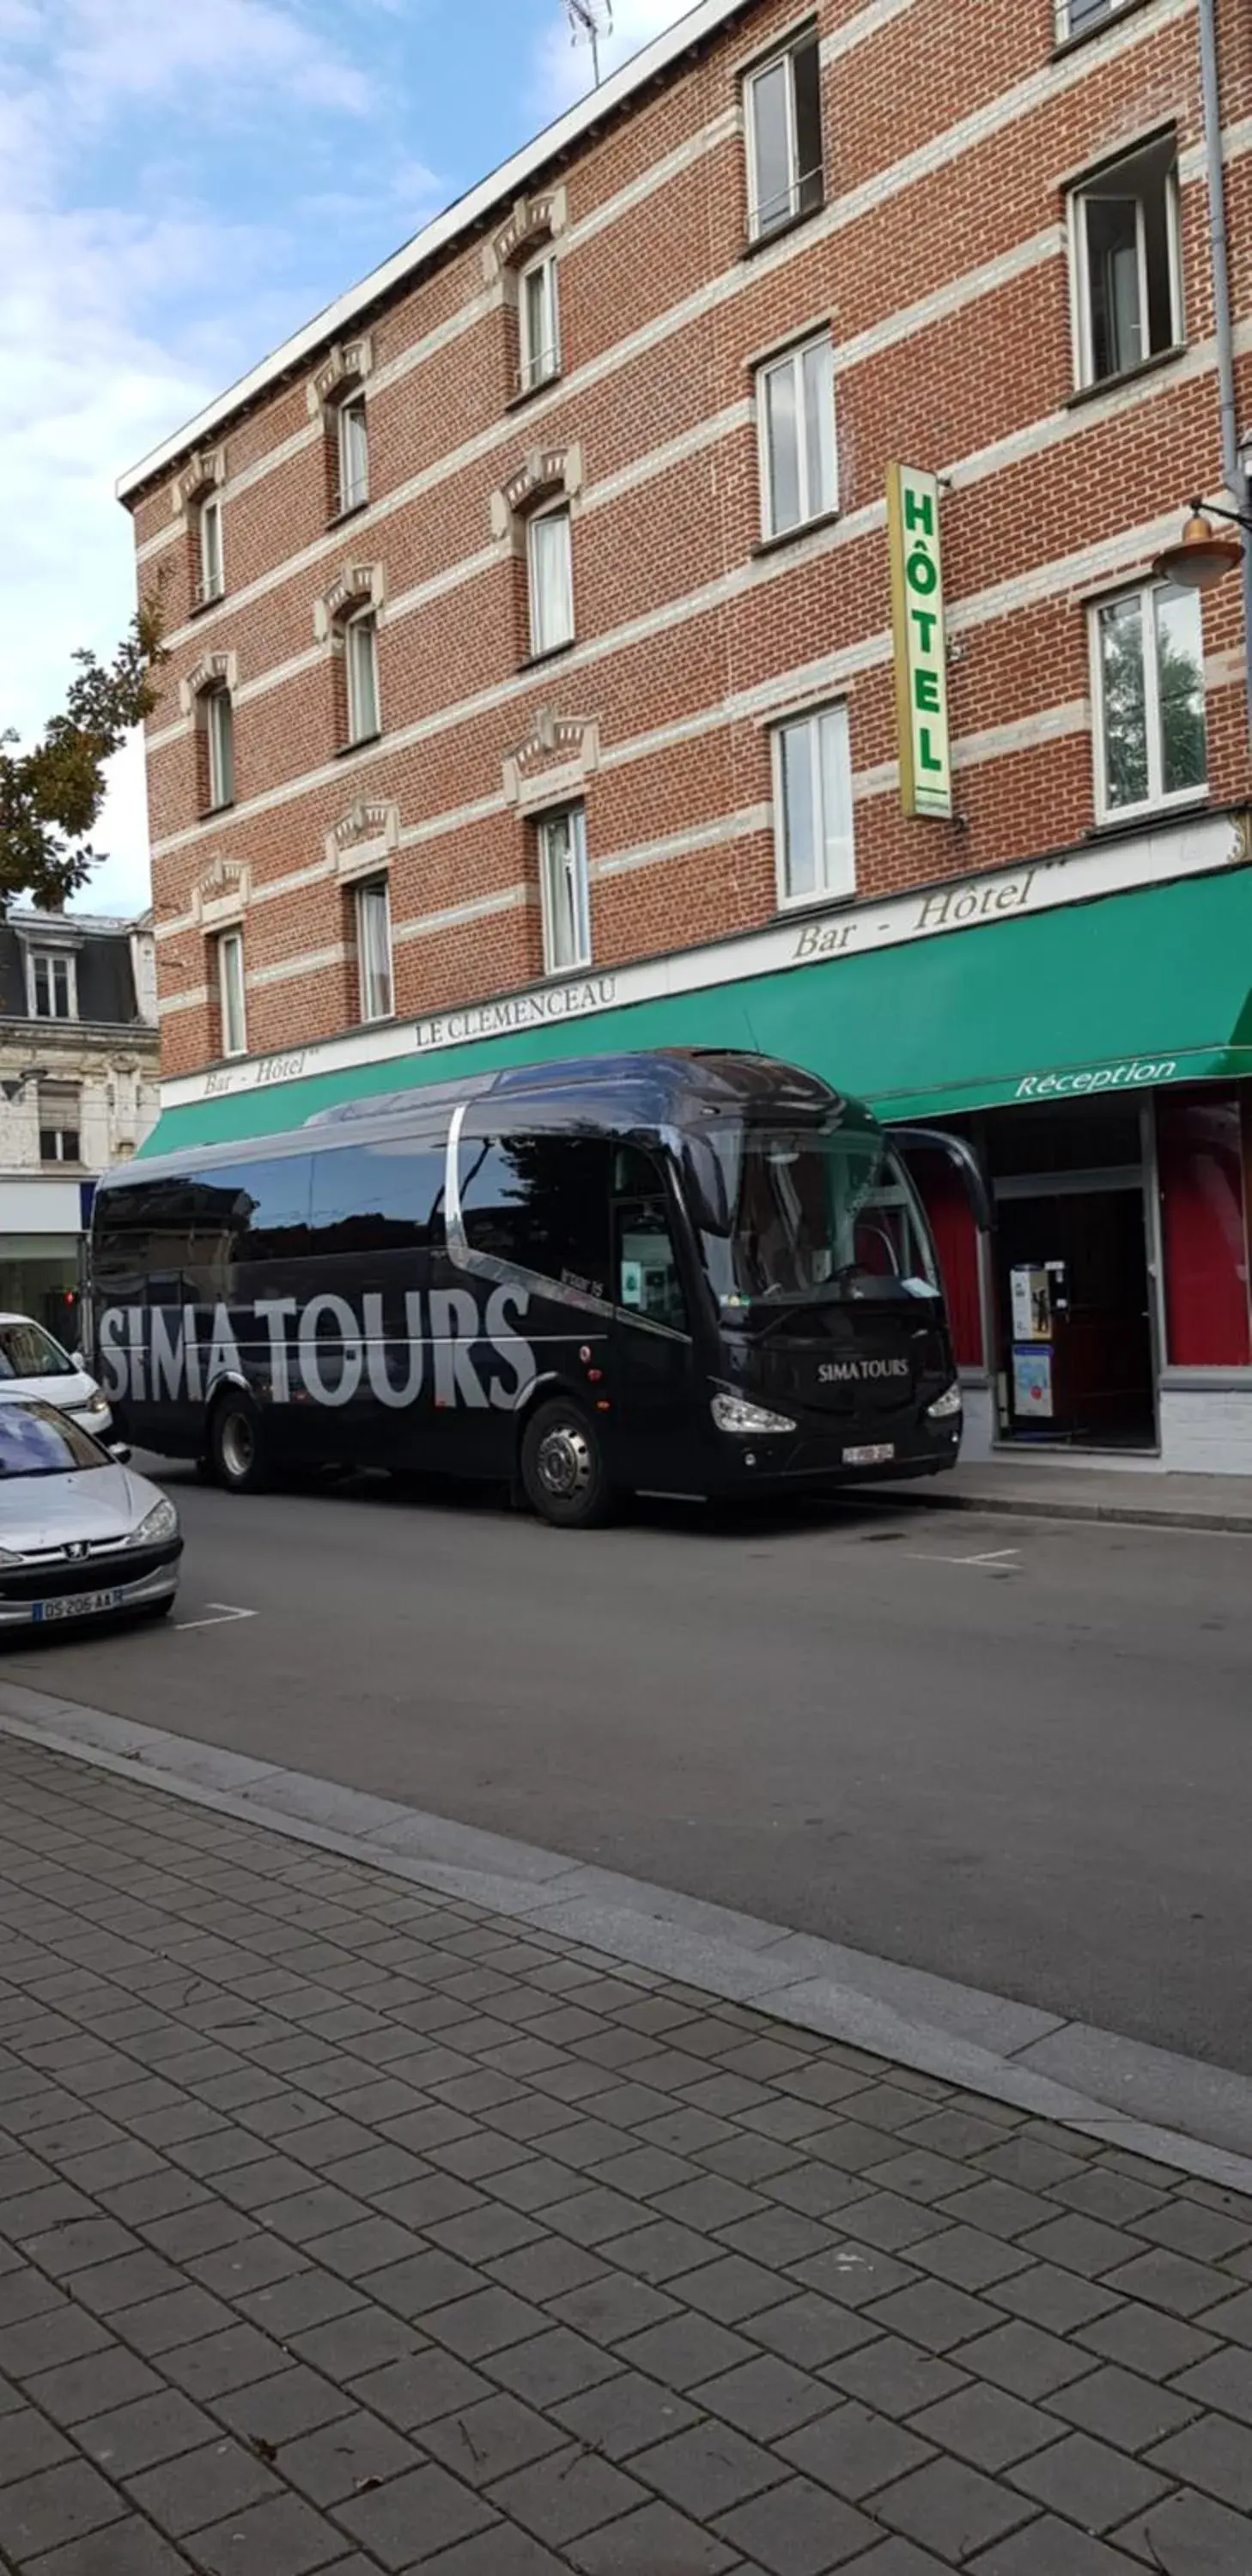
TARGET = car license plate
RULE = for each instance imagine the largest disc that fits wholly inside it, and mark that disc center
(75, 1605)
(874, 1457)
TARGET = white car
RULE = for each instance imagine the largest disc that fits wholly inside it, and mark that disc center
(31, 1363)
(82, 1535)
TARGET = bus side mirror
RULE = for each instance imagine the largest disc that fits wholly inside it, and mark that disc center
(935, 1140)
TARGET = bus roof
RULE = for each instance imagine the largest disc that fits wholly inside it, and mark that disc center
(660, 1088)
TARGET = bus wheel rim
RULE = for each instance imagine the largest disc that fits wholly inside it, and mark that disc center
(237, 1444)
(564, 1463)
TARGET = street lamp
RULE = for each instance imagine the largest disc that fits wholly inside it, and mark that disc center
(1203, 556)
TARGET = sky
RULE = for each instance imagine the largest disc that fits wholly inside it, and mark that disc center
(182, 184)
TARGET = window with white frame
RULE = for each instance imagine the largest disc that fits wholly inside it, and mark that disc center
(550, 580)
(796, 430)
(538, 323)
(219, 738)
(1147, 686)
(60, 1122)
(360, 649)
(1125, 265)
(373, 944)
(212, 576)
(563, 890)
(813, 806)
(230, 992)
(783, 117)
(51, 984)
(352, 457)
(1080, 17)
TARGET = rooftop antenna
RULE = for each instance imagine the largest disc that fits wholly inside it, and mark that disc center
(589, 21)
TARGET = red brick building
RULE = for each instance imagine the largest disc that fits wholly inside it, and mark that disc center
(540, 680)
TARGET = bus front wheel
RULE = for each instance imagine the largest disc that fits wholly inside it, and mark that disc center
(236, 1450)
(563, 1470)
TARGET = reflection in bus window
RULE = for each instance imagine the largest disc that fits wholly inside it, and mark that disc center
(791, 1216)
(540, 1203)
(646, 1263)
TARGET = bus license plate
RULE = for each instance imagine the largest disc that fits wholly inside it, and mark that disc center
(76, 1605)
(875, 1457)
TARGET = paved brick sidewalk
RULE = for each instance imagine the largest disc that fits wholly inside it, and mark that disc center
(341, 2228)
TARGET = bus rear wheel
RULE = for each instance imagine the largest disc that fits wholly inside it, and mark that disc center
(236, 1446)
(563, 1472)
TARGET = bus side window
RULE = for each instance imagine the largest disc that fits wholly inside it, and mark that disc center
(382, 1197)
(540, 1202)
(645, 1263)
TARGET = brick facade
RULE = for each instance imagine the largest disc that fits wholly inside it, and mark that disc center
(938, 263)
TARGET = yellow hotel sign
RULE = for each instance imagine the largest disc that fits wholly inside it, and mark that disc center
(921, 663)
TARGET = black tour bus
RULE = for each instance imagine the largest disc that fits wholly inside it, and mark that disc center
(681, 1272)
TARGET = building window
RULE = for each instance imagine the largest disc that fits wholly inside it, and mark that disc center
(352, 458)
(550, 572)
(1081, 17)
(1201, 1164)
(219, 736)
(563, 890)
(373, 941)
(1125, 264)
(813, 807)
(230, 992)
(1148, 692)
(360, 643)
(783, 114)
(51, 985)
(60, 1119)
(538, 324)
(211, 581)
(796, 426)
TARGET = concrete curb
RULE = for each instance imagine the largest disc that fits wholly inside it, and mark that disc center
(1220, 1524)
(1173, 2110)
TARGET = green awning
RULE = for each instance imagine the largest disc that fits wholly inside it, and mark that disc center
(1123, 993)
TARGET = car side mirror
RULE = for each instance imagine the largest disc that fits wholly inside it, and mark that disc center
(121, 1453)
(79, 1361)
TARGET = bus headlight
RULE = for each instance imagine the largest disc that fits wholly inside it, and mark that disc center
(733, 1413)
(945, 1405)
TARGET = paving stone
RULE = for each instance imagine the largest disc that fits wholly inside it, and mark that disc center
(986, 2426)
(1028, 2161)
(484, 2442)
(1117, 2406)
(1095, 2485)
(338, 2459)
(345, 2347)
(57, 2505)
(237, 2358)
(797, 2529)
(479, 2236)
(181, 2316)
(411, 2393)
(1232, 2317)
(1224, 2380)
(1024, 2360)
(1173, 2282)
(59, 2334)
(28, 2443)
(1188, 2228)
(611, 2308)
(280, 2537)
(142, 2434)
(103, 2379)
(932, 2314)
(970, 2260)
(855, 2274)
(953, 2508)
(650, 2542)
(999, 2208)
(1214, 2455)
(1058, 2301)
(566, 2494)
(551, 2366)
(501, 2551)
(894, 2377)
(1051, 2548)
(707, 2469)
(486, 2323)
(277, 2409)
(1188, 2535)
(81, 2241)
(764, 2398)
(1079, 2244)
(547, 2269)
(625, 2414)
(1144, 2340)
(686, 2349)
(855, 2451)
(1105, 2192)
(128, 2548)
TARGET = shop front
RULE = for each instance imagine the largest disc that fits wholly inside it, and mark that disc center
(1085, 1022)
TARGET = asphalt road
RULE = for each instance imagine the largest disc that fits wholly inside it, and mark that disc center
(1013, 1753)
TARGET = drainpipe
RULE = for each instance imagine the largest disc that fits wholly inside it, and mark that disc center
(1235, 474)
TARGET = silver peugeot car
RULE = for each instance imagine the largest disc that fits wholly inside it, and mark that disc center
(82, 1536)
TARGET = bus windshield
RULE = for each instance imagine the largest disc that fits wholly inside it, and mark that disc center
(803, 1216)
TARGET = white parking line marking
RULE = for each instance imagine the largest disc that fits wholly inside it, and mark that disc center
(995, 1557)
(226, 1611)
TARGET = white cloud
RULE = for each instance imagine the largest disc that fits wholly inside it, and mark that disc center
(563, 68)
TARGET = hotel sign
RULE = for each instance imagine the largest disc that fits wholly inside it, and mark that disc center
(921, 662)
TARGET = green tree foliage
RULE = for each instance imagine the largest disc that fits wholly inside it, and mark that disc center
(51, 795)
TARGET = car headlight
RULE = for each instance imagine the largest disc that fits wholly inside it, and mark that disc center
(8, 1558)
(945, 1405)
(161, 1522)
(96, 1405)
(734, 1413)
